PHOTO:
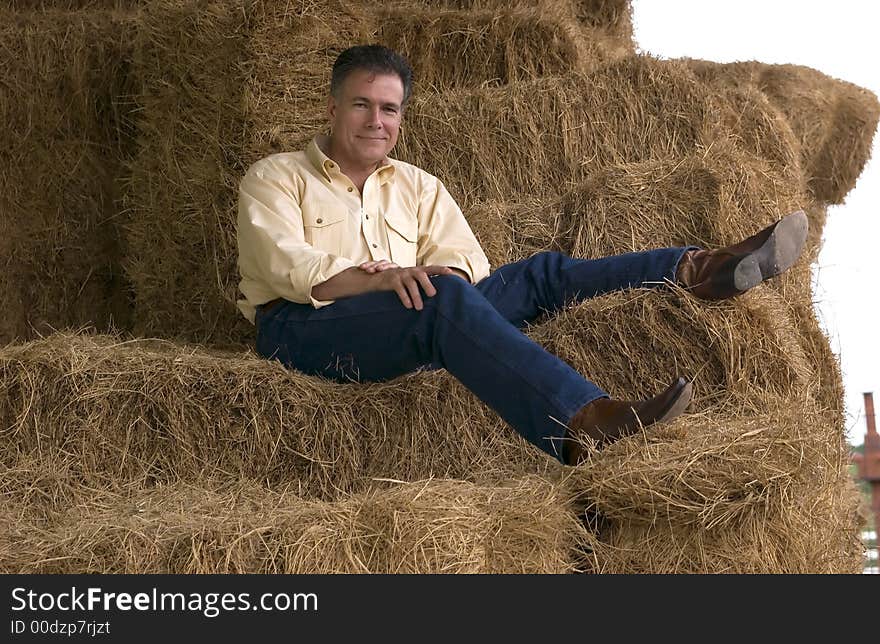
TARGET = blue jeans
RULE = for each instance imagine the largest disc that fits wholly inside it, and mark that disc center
(471, 331)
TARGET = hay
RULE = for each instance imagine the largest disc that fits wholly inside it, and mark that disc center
(739, 353)
(767, 493)
(806, 537)
(181, 188)
(717, 469)
(142, 410)
(65, 106)
(72, 5)
(709, 199)
(431, 526)
(468, 49)
(145, 411)
(521, 142)
(834, 121)
(191, 293)
(543, 137)
(613, 17)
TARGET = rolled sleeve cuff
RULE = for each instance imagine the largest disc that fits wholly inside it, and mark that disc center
(476, 268)
(304, 278)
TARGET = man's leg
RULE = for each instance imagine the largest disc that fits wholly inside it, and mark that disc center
(546, 282)
(372, 337)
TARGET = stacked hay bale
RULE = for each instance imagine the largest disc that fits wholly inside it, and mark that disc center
(227, 527)
(64, 102)
(828, 117)
(552, 134)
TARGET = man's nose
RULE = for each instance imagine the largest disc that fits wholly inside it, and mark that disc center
(374, 120)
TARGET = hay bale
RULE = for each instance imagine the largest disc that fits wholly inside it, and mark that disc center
(795, 291)
(739, 353)
(767, 493)
(834, 121)
(454, 49)
(711, 470)
(613, 17)
(433, 526)
(65, 104)
(709, 199)
(543, 137)
(146, 410)
(812, 537)
(181, 188)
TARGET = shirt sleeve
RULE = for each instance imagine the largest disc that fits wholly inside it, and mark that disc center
(271, 241)
(445, 239)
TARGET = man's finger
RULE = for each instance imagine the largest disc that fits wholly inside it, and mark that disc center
(413, 287)
(425, 281)
(404, 297)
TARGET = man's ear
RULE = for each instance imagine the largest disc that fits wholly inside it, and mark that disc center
(331, 107)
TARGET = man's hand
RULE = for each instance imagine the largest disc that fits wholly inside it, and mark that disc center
(406, 281)
(385, 275)
(377, 266)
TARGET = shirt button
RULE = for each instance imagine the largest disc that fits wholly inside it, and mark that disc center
(330, 165)
(367, 216)
(319, 220)
(350, 189)
(375, 246)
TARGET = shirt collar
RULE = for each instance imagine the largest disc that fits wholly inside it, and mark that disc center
(326, 166)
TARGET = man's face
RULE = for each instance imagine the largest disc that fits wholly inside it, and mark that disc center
(365, 117)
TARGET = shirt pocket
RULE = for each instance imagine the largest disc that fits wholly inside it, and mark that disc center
(324, 228)
(403, 237)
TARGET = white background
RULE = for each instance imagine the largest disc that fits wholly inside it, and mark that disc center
(841, 39)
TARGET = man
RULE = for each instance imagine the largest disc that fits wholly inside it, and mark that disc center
(359, 267)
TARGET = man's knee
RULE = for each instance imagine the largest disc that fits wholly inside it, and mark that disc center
(450, 284)
(451, 289)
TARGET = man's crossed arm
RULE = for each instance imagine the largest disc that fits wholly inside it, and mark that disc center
(384, 275)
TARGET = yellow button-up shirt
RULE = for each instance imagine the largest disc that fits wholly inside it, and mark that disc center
(301, 221)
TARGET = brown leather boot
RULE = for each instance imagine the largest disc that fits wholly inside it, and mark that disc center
(605, 420)
(723, 273)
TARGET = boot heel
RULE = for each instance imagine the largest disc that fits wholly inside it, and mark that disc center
(747, 274)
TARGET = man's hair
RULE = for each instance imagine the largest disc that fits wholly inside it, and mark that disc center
(374, 58)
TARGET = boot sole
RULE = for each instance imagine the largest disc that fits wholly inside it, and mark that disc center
(776, 255)
(680, 403)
